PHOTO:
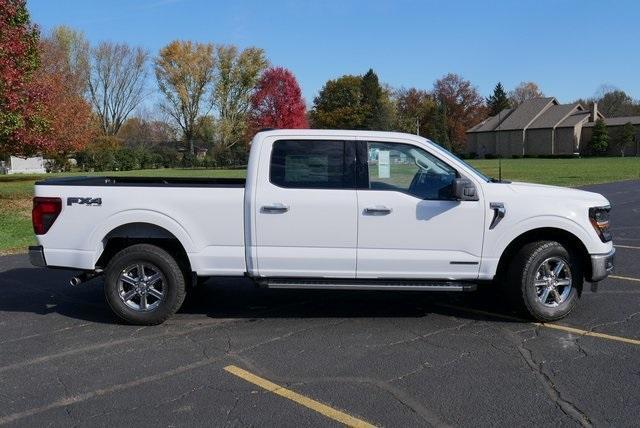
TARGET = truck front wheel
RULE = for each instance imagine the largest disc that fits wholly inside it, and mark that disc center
(546, 280)
(144, 285)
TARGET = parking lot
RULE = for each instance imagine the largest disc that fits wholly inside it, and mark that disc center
(238, 355)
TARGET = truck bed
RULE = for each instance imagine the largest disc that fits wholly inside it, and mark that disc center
(112, 181)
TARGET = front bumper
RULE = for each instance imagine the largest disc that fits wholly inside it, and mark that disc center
(601, 265)
(36, 256)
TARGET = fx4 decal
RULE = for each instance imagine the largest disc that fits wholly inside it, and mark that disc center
(95, 202)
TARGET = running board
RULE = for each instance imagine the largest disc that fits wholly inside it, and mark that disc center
(393, 285)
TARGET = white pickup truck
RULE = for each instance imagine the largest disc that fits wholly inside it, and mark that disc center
(323, 209)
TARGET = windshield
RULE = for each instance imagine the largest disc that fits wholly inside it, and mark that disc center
(442, 149)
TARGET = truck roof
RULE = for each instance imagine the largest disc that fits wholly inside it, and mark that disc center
(336, 133)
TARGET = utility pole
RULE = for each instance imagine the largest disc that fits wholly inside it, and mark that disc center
(417, 126)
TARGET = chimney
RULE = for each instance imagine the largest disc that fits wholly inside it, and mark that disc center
(594, 112)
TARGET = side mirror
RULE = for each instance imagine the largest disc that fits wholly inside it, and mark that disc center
(464, 189)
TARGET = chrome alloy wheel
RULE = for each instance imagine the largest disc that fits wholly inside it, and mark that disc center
(553, 282)
(141, 286)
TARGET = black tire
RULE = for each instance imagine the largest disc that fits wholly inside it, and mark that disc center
(171, 286)
(521, 280)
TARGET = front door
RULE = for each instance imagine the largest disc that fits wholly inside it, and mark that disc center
(306, 212)
(409, 225)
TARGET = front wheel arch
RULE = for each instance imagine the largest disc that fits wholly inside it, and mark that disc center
(570, 241)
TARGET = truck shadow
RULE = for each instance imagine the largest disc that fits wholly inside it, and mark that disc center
(42, 292)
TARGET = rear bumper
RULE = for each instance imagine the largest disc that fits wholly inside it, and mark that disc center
(602, 265)
(36, 256)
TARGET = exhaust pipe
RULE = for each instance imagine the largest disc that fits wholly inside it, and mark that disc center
(84, 277)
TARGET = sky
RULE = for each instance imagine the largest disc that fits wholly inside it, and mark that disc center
(570, 48)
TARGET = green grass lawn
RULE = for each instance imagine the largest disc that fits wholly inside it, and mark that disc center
(16, 190)
(563, 172)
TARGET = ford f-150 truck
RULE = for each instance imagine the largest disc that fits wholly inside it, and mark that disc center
(324, 209)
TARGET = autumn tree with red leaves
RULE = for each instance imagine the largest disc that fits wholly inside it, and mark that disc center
(42, 108)
(277, 102)
(463, 107)
(63, 75)
(22, 124)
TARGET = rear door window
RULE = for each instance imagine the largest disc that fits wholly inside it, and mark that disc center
(313, 164)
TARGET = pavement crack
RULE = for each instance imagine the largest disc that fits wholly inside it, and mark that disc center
(610, 323)
(65, 388)
(421, 367)
(552, 390)
(230, 411)
(426, 335)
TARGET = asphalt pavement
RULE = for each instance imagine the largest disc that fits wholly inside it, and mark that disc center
(238, 355)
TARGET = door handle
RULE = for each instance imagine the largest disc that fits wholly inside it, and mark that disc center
(278, 208)
(377, 210)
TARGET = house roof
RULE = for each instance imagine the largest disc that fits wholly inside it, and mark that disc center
(526, 113)
(574, 119)
(617, 121)
(554, 115)
(492, 122)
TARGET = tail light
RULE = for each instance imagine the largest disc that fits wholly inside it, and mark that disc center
(599, 217)
(45, 212)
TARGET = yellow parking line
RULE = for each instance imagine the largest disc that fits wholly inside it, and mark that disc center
(627, 246)
(626, 278)
(323, 409)
(568, 329)
(590, 333)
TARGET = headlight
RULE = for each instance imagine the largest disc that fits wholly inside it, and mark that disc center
(599, 217)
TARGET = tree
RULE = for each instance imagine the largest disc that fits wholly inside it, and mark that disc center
(236, 76)
(626, 137)
(498, 101)
(523, 92)
(415, 111)
(339, 104)
(22, 124)
(372, 100)
(62, 76)
(461, 104)
(71, 49)
(142, 132)
(599, 138)
(116, 83)
(616, 103)
(439, 130)
(185, 71)
(277, 101)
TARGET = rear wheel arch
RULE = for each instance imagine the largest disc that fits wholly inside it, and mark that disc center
(570, 241)
(129, 234)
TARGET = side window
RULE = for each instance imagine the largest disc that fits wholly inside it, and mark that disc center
(312, 164)
(409, 169)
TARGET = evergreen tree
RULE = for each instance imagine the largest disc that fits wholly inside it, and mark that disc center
(439, 131)
(626, 137)
(372, 100)
(600, 138)
(498, 101)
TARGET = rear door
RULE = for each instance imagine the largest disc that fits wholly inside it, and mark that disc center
(409, 225)
(306, 211)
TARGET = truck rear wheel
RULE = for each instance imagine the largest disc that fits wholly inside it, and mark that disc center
(546, 280)
(144, 285)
